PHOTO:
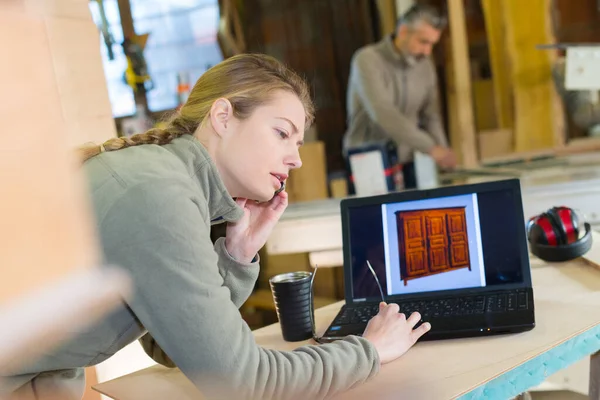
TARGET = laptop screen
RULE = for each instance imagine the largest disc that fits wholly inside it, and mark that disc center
(438, 243)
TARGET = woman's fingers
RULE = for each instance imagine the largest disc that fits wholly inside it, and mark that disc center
(421, 330)
(414, 319)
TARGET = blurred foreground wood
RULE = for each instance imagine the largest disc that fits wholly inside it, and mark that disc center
(55, 98)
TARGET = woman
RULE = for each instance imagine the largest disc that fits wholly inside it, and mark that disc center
(155, 195)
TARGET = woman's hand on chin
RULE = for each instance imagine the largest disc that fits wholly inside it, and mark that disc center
(247, 236)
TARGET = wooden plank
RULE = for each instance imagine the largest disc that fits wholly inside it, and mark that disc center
(453, 128)
(309, 182)
(494, 25)
(126, 18)
(58, 8)
(462, 84)
(230, 34)
(326, 258)
(128, 27)
(494, 143)
(519, 157)
(484, 105)
(387, 16)
(46, 230)
(274, 264)
(310, 234)
(12, 6)
(338, 188)
(539, 121)
(81, 77)
(49, 289)
(575, 146)
(580, 145)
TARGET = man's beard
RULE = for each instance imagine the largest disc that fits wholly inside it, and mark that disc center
(415, 58)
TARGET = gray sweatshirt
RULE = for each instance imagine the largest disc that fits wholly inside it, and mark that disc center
(394, 97)
(154, 207)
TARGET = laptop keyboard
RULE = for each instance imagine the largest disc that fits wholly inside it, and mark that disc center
(439, 308)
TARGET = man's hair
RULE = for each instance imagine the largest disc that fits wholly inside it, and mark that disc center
(423, 13)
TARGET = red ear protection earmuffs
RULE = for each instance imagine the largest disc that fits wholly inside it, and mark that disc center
(554, 235)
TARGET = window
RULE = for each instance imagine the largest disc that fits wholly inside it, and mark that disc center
(119, 93)
(183, 40)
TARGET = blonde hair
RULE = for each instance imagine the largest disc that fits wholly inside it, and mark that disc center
(246, 80)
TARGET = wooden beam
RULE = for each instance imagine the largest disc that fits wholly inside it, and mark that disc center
(462, 84)
(46, 232)
(579, 145)
(494, 25)
(453, 128)
(128, 28)
(230, 34)
(126, 18)
(539, 119)
(387, 16)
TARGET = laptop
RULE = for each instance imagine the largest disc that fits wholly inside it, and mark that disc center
(458, 255)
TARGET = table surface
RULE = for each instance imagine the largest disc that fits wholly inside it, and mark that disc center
(567, 301)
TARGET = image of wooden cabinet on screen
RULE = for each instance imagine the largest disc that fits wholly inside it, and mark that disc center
(432, 241)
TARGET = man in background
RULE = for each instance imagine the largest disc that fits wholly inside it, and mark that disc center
(393, 93)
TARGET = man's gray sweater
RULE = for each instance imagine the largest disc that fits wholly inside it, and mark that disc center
(391, 96)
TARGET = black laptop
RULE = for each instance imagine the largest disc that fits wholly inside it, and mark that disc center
(456, 254)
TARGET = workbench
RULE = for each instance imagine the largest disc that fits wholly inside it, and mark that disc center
(567, 307)
(315, 228)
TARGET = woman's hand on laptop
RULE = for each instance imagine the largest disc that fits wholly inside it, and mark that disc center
(392, 333)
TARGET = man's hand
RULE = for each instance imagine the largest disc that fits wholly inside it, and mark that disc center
(444, 157)
(245, 237)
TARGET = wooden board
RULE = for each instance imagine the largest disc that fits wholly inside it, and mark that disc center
(484, 105)
(46, 228)
(387, 16)
(539, 121)
(55, 99)
(580, 145)
(325, 230)
(462, 85)
(310, 181)
(495, 143)
(454, 132)
(443, 369)
(494, 25)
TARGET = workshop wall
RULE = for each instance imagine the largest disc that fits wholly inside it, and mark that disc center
(317, 39)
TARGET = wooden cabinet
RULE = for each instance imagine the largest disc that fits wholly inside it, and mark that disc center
(432, 241)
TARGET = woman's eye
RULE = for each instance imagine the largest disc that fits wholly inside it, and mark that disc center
(283, 134)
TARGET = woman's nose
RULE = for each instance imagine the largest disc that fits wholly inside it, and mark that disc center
(294, 160)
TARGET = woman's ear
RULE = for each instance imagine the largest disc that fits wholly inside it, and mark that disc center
(221, 115)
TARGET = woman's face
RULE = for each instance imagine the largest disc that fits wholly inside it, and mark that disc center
(256, 154)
